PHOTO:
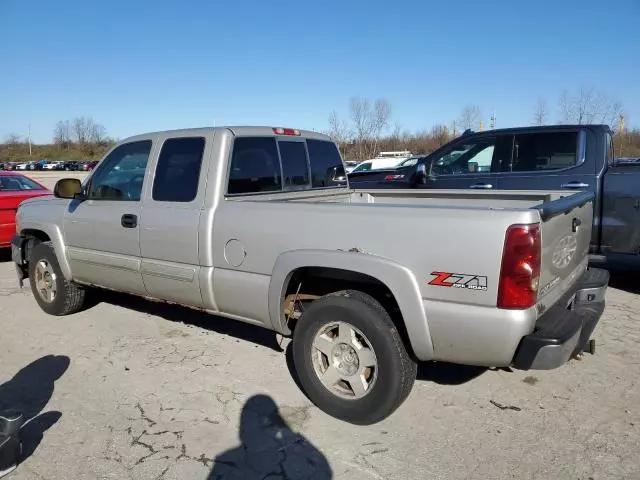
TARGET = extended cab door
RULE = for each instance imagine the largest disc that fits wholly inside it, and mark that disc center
(471, 162)
(169, 234)
(548, 160)
(101, 232)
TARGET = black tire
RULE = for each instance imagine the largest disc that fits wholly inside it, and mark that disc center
(69, 297)
(396, 370)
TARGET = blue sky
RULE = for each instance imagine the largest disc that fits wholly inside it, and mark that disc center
(137, 65)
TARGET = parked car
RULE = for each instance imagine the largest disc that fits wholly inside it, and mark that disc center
(566, 157)
(376, 164)
(88, 166)
(14, 188)
(349, 165)
(71, 166)
(247, 223)
(53, 165)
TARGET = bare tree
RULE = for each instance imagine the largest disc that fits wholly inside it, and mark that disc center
(541, 112)
(440, 134)
(80, 127)
(62, 134)
(588, 105)
(369, 121)
(13, 139)
(381, 115)
(97, 133)
(338, 129)
(85, 130)
(470, 117)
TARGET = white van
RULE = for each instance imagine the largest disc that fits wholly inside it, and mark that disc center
(378, 163)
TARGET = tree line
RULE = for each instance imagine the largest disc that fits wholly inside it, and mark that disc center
(80, 138)
(368, 128)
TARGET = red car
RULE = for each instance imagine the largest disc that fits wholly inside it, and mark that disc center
(14, 188)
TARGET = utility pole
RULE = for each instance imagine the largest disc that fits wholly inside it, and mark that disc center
(29, 137)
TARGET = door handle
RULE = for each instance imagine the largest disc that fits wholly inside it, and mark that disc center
(481, 185)
(574, 185)
(129, 220)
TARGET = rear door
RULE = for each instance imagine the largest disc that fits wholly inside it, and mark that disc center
(470, 163)
(548, 160)
(172, 207)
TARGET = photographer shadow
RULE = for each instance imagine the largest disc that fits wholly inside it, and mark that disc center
(28, 392)
(269, 448)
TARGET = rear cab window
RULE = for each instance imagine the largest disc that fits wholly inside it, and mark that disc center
(272, 164)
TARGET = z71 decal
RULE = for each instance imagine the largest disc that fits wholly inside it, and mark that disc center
(459, 280)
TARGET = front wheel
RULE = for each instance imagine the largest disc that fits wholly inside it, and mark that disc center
(54, 294)
(350, 358)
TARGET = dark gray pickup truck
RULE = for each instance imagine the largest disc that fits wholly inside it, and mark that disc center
(568, 157)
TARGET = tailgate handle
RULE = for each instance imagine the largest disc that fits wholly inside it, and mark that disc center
(575, 223)
(575, 185)
(481, 185)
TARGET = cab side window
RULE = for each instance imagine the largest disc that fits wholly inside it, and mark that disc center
(544, 151)
(472, 157)
(121, 175)
(178, 171)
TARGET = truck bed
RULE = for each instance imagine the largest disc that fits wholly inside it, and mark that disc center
(548, 203)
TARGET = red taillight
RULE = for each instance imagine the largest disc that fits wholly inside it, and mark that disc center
(520, 271)
(393, 177)
(286, 131)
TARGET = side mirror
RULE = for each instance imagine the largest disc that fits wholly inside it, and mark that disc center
(67, 188)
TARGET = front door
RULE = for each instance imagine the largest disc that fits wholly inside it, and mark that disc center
(102, 231)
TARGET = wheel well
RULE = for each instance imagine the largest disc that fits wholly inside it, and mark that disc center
(33, 237)
(39, 234)
(309, 283)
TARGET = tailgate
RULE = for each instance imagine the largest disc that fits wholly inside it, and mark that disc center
(566, 235)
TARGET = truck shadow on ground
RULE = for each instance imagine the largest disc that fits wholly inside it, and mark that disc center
(627, 281)
(176, 313)
(28, 392)
(5, 255)
(269, 448)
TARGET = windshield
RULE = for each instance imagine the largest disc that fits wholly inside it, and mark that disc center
(16, 183)
(364, 166)
(409, 162)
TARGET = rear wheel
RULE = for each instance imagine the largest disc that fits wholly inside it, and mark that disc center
(350, 358)
(54, 294)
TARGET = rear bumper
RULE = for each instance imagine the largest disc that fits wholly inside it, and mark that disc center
(564, 330)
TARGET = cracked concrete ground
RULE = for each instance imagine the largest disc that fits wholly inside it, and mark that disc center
(133, 389)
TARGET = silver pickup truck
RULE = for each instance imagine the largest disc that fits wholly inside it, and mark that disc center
(254, 224)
